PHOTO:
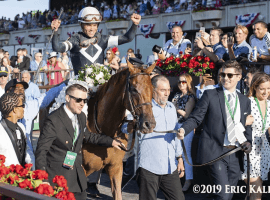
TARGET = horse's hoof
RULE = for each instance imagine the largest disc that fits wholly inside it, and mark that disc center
(92, 190)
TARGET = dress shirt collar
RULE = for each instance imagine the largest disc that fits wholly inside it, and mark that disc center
(242, 44)
(226, 92)
(69, 113)
(155, 103)
(37, 62)
(178, 43)
(216, 45)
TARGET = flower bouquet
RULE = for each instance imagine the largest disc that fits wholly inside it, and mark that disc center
(23, 177)
(195, 66)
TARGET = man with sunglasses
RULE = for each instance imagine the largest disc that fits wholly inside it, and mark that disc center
(224, 111)
(63, 134)
(13, 143)
(35, 63)
(87, 47)
(3, 79)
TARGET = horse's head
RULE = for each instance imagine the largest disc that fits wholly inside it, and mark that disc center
(138, 97)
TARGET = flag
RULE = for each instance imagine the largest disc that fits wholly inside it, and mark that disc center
(171, 24)
(246, 20)
(35, 37)
(146, 29)
(19, 39)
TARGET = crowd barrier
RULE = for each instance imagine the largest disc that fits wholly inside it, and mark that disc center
(20, 194)
(47, 78)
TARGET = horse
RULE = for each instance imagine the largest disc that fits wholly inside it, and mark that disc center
(129, 89)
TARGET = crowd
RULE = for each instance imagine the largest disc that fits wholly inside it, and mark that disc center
(226, 114)
(108, 9)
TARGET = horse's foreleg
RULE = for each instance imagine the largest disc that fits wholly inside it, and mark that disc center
(115, 173)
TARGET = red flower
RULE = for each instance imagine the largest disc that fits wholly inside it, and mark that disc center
(196, 64)
(184, 64)
(40, 174)
(211, 65)
(28, 166)
(204, 65)
(190, 66)
(4, 171)
(114, 49)
(45, 189)
(23, 172)
(18, 169)
(181, 52)
(11, 179)
(26, 183)
(60, 180)
(206, 59)
(12, 168)
(2, 159)
(70, 196)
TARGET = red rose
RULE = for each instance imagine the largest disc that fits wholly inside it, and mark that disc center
(40, 174)
(211, 65)
(70, 196)
(181, 52)
(23, 172)
(11, 179)
(28, 166)
(190, 66)
(2, 159)
(60, 181)
(184, 64)
(12, 167)
(45, 189)
(178, 62)
(4, 171)
(206, 59)
(61, 195)
(196, 64)
(204, 65)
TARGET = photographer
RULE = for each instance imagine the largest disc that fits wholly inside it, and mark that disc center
(241, 47)
(217, 51)
(177, 43)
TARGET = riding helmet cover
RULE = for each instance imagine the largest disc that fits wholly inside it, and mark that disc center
(89, 15)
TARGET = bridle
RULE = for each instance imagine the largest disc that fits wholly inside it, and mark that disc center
(133, 108)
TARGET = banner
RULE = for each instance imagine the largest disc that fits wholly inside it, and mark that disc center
(19, 39)
(246, 20)
(146, 29)
(171, 24)
(35, 37)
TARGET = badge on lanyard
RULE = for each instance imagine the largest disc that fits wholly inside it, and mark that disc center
(69, 159)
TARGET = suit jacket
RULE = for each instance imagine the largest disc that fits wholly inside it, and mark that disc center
(7, 148)
(54, 142)
(25, 65)
(211, 107)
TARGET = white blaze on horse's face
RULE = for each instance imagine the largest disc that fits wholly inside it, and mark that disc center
(71, 102)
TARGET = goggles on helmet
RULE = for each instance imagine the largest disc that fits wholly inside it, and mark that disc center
(91, 18)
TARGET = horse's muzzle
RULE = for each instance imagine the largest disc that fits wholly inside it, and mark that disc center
(147, 126)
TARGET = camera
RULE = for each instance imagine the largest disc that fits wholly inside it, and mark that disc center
(157, 49)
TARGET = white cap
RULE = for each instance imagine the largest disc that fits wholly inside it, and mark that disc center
(53, 54)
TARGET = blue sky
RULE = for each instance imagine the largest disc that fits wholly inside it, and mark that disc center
(10, 8)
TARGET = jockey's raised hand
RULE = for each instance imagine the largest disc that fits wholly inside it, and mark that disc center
(135, 18)
(55, 24)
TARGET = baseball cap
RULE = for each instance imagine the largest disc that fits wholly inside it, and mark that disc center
(3, 71)
(53, 54)
(13, 83)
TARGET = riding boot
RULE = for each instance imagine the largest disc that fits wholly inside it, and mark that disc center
(92, 190)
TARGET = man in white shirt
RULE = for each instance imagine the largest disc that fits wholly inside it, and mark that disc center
(21, 23)
(260, 39)
(3, 79)
(177, 44)
(35, 63)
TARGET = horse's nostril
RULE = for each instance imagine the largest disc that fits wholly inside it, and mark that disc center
(147, 125)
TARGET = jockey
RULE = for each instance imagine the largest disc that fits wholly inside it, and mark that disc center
(87, 47)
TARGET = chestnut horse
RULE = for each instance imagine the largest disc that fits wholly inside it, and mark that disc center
(129, 89)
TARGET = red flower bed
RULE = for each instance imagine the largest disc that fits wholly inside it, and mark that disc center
(24, 178)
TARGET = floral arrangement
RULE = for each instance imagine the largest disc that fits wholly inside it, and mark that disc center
(23, 177)
(195, 66)
(94, 75)
(114, 49)
(91, 78)
(202, 9)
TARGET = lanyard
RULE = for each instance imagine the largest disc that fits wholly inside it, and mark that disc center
(229, 108)
(265, 116)
(75, 133)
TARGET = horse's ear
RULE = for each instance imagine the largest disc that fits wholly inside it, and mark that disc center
(130, 67)
(151, 68)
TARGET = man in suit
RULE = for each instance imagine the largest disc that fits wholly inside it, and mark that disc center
(63, 135)
(20, 62)
(225, 111)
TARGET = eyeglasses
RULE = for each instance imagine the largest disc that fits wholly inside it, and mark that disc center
(78, 100)
(3, 75)
(108, 53)
(23, 106)
(230, 75)
(183, 82)
(40, 56)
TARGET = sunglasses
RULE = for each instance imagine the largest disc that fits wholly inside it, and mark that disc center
(23, 106)
(183, 82)
(78, 100)
(3, 75)
(230, 75)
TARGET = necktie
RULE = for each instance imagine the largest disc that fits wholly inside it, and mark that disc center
(230, 123)
(74, 123)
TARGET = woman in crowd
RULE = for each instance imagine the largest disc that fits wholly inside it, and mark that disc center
(52, 64)
(65, 60)
(259, 155)
(111, 61)
(6, 63)
(156, 8)
(184, 102)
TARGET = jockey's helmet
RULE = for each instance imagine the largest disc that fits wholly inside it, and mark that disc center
(89, 15)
